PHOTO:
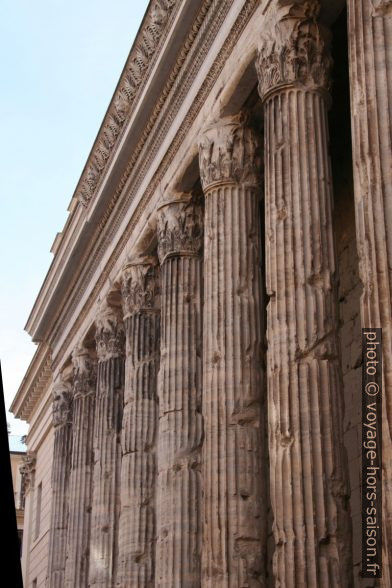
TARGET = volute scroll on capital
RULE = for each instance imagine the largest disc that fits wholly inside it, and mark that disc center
(229, 153)
(294, 51)
(62, 403)
(109, 334)
(140, 286)
(179, 227)
(84, 372)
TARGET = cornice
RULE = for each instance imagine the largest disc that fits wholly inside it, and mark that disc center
(51, 320)
(151, 35)
(36, 381)
(84, 227)
(134, 175)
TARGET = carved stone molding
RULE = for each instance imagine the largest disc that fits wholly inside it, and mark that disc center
(139, 286)
(62, 404)
(294, 50)
(228, 153)
(84, 372)
(200, 40)
(109, 335)
(138, 64)
(180, 228)
(27, 469)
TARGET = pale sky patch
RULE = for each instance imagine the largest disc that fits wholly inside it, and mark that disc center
(60, 63)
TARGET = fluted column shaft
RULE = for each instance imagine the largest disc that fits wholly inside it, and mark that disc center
(81, 474)
(62, 422)
(136, 565)
(308, 471)
(370, 57)
(180, 418)
(234, 468)
(107, 449)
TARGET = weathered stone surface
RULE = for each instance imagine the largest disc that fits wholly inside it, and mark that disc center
(81, 474)
(107, 448)
(62, 422)
(308, 470)
(202, 519)
(234, 537)
(370, 50)
(295, 50)
(180, 420)
(137, 525)
(27, 469)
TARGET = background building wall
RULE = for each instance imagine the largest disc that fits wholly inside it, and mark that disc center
(36, 548)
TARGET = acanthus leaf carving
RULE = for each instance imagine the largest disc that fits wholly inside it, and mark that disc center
(62, 403)
(27, 469)
(382, 7)
(84, 372)
(139, 287)
(109, 334)
(228, 153)
(180, 228)
(294, 50)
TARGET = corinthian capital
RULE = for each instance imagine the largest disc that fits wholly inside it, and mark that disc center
(295, 49)
(228, 153)
(139, 286)
(382, 7)
(84, 372)
(27, 469)
(62, 403)
(109, 334)
(180, 228)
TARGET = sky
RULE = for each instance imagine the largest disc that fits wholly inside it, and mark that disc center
(60, 63)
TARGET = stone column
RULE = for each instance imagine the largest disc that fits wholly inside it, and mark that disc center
(370, 57)
(81, 475)
(139, 429)
(308, 469)
(62, 423)
(107, 447)
(180, 233)
(27, 470)
(234, 467)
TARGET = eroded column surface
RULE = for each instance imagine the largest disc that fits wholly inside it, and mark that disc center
(62, 423)
(234, 537)
(107, 447)
(178, 548)
(136, 560)
(308, 470)
(370, 57)
(81, 474)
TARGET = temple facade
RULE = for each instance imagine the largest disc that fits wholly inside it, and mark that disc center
(195, 398)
